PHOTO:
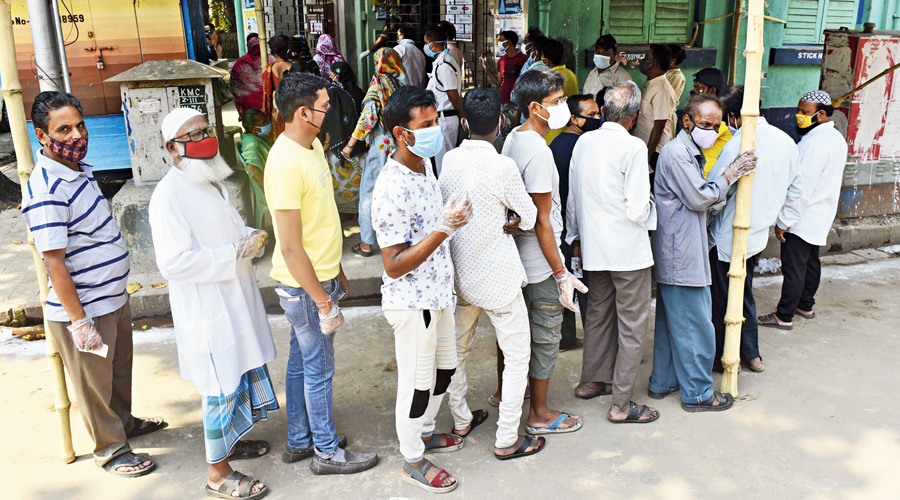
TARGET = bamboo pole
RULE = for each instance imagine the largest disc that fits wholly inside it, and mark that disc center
(735, 33)
(261, 32)
(12, 94)
(737, 272)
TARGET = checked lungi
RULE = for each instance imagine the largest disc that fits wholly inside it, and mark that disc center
(226, 419)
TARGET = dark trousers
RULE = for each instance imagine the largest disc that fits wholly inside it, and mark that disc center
(802, 271)
(568, 324)
(719, 289)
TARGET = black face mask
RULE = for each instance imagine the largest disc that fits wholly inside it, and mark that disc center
(589, 123)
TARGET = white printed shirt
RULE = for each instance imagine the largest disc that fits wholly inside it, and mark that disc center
(406, 207)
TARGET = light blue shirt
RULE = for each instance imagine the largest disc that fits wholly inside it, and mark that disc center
(777, 188)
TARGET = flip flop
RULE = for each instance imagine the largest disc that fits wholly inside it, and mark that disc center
(554, 427)
(434, 446)
(634, 415)
(520, 451)
(771, 321)
(811, 315)
(236, 483)
(416, 477)
(357, 249)
(478, 418)
(496, 404)
(153, 424)
(129, 459)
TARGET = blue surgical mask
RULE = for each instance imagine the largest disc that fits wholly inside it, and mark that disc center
(428, 141)
(429, 52)
(266, 129)
(601, 61)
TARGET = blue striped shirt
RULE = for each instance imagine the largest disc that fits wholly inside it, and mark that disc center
(65, 209)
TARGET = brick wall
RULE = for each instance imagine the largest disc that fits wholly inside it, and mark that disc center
(282, 17)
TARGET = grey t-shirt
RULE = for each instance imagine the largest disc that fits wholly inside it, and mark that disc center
(538, 170)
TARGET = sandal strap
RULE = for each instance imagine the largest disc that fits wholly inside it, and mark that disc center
(128, 459)
(438, 480)
(525, 444)
(418, 473)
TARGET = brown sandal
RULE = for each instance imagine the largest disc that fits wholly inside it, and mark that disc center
(772, 321)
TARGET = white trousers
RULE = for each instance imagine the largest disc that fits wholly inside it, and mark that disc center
(421, 350)
(450, 128)
(514, 337)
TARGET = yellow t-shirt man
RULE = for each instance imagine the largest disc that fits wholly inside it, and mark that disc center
(712, 154)
(570, 88)
(297, 178)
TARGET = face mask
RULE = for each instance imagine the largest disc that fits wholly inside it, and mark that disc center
(601, 62)
(704, 138)
(644, 65)
(731, 129)
(266, 129)
(501, 48)
(428, 141)
(806, 123)
(559, 115)
(429, 52)
(590, 123)
(73, 150)
(205, 149)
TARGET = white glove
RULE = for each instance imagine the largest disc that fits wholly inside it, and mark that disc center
(740, 166)
(247, 248)
(567, 284)
(363, 54)
(456, 215)
(85, 335)
(329, 323)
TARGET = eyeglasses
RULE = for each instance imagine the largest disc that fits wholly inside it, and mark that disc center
(561, 100)
(196, 135)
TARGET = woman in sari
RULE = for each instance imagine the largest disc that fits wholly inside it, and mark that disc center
(389, 76)
(327, 54)
(280, 48)
(246, 78)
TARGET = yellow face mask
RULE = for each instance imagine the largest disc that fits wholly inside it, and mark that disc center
(804, 121)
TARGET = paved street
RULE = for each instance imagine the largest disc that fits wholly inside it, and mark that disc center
(819, 423)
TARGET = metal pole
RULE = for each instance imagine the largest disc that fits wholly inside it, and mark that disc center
(737, 272)
(12, 94)
(239, 19)
(46, 57)
(61, 46)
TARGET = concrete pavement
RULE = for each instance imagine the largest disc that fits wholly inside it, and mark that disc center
(820, 422)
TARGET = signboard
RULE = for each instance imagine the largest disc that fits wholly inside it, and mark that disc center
(509, 22)
(192, 96)
(150, 106)
(460, 13)
(510, 6)
(315, 28)
(804, 56)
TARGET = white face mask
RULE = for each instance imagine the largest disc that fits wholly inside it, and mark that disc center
(559, 115)
(208, 171)
(501, 48)
(730, 128)
(601, 62)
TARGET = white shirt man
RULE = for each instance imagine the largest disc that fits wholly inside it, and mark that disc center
(489, 273)
(823, 153)
(445, 76)
(413, 60)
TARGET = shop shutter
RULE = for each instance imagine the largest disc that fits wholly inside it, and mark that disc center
(802, 22)
(624, 19)
(839, 13)
(672, 21)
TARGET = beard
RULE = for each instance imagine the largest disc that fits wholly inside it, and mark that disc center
(206, 171)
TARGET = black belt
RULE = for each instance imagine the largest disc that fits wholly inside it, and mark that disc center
(449, 112)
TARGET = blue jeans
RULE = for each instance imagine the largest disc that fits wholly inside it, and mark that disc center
(310, 369)
(685, 342)
(375, 161)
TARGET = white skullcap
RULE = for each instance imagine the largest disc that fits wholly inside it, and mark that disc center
(175, 119)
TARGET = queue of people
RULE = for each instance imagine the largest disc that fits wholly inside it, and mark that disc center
(581, 200)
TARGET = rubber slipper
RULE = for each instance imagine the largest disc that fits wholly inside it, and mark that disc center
(129, 459)
(605, 390)
(634, 415)
(520, 451)
(478, 418)
(357, 249)
(554, 427)
(153, 424)
(799, 314)
(491, 401)
(434, 445)
(416, 477)
(236, 483)
(771, 321)
(249, 449)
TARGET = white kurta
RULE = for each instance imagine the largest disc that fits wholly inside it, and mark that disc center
(220, 321)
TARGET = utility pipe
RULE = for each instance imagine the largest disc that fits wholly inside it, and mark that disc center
(61, 47)
(43, 38)
(240, 20)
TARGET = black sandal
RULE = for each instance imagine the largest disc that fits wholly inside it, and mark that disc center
(236, 482)
(634, 415)
(726, 401)
(248, 449)
(357, 249)
(478, 418)
(129, 459)
(153, 424)
(520, 451)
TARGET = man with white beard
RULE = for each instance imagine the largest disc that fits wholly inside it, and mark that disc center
(203, 248)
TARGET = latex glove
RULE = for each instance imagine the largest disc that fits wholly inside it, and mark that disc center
(456, 215)
(567, 283)
(329, 323)
(247, 248)
(740, 166)
(363, 54)
(85, 335)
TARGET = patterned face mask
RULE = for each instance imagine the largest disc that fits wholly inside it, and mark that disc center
(73, 150)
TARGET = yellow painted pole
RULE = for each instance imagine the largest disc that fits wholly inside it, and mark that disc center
(261, 31)
(12, 94)
(734, 314)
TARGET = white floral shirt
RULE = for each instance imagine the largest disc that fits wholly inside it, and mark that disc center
(406, 206)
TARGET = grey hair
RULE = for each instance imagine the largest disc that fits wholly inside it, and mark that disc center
(622, 102)
(698, 100)
(534, 86)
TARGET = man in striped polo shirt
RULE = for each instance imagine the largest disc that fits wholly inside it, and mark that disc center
(87, 261)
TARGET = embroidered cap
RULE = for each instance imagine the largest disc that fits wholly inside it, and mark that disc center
(817, 96)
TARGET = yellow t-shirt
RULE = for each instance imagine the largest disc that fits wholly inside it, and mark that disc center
(712, 154)
(297, 178)
(570, 88)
